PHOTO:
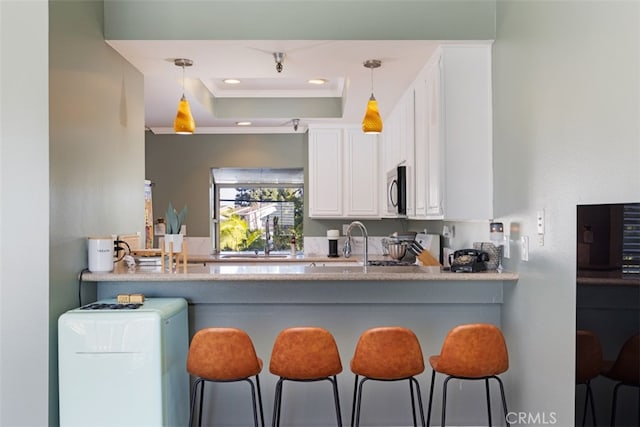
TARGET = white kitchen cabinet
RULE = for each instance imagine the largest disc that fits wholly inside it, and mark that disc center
(428, 146)
(361, 175)
(453, 135)
(397, 141)
(343, 174)
(325, 173)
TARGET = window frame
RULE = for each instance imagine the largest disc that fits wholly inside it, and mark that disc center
(215, 200)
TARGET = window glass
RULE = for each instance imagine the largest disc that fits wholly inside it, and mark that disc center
(257, 208)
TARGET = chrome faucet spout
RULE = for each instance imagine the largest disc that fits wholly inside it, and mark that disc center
(365, 237)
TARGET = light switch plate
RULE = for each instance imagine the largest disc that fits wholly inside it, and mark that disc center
(540, 221)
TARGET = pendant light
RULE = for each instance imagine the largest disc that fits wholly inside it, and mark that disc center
(372, 122)
(184, 123)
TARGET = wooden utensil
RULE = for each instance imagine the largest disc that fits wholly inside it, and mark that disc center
(423, 255)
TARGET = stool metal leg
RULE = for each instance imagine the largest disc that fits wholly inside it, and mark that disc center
(420, 407)
(614, 404)
(359, 401)
(277, 401)
(588, 398)
(486, 386)
(413, 404)
(253, 402)
(353, 406)
(260, 400)
(433, 378)
(504, 399)
(201, 402)
(194, 396)
(444, 400)
(336, 398)
(444, 397)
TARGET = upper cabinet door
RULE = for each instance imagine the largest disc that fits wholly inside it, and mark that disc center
(434, 150)
(325, 173)
(429, 160)
(453, 135)
(343, 174)
(361, 174)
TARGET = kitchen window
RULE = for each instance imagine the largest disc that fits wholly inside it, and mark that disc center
(255, 209)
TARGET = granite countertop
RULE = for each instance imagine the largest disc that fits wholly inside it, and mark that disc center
(291, 271)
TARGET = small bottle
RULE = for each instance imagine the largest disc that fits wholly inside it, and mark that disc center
(293, 245)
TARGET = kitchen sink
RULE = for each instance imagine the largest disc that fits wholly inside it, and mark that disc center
(254, 256)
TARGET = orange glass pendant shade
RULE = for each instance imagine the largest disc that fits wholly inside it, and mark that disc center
(372, 122)
(184, 123)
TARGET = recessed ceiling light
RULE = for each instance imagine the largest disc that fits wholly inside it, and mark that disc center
(231, 81)
(317, 81)
(247, 123)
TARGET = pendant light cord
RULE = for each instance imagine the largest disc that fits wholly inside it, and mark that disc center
(183, 80)
(371, 81)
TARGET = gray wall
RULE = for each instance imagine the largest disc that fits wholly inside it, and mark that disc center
(96, 153)
(300, 20)
(566, 93)
(24, 208)
(179, 167)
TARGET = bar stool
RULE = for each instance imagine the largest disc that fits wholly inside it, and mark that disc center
(305, 354)
(390, 353)
(223, 355)
(625, 370)
(471, 352)
(588, 365)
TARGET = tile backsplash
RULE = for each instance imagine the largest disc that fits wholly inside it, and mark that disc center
(319, 246)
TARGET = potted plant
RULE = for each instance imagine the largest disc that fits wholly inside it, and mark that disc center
(173, 224)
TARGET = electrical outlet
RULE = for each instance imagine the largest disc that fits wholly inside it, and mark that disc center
(524, 248)
(345, 227)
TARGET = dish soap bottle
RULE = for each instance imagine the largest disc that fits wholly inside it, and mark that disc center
(293, 245)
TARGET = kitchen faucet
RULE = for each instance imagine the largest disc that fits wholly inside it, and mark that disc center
(346, 251)
(267, 237)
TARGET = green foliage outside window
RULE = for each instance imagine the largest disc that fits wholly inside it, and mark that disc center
(282, 206)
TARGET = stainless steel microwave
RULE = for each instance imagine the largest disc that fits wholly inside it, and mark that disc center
(397, 191)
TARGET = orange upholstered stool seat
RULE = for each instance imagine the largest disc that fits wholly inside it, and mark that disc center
(390, 353)
(588, 365)
(305, 354)
(471, 352)
(625, 370)
(223, 355)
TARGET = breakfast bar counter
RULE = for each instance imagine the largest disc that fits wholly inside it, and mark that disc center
(345, 298)
(261, 271)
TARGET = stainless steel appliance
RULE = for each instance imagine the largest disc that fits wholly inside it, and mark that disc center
(424, 241)
(397, 191)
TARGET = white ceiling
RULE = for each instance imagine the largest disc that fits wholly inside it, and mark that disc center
(252, 61)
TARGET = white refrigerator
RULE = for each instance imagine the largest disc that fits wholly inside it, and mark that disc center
(124, 365)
